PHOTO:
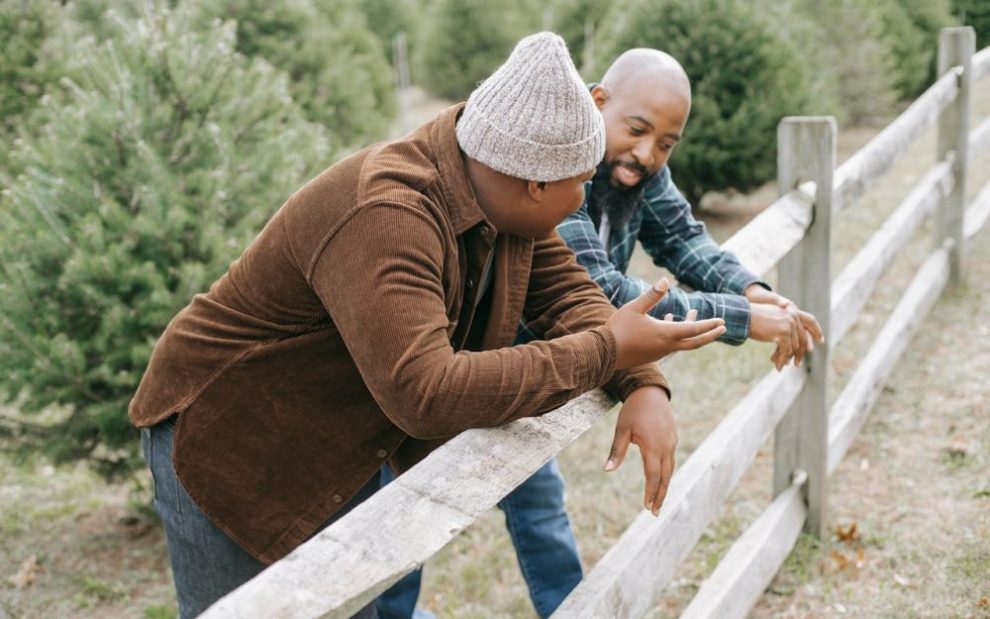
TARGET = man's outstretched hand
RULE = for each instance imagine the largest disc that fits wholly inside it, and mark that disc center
(640, 338)
(647, 420)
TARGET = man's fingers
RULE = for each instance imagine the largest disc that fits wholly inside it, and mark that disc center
(797, 343)
(666, 472)
(698, 341)
(685, 329)
(620, 444)
(692, 315)
(645, 302)
(811, 324)
(668, 318)
(651, 471)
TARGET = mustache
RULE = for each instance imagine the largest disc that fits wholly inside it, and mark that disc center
(635, 166)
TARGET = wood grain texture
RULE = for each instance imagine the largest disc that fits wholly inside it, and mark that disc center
(854, 403)
(749, 566)
(852, 288)
(978, 212)
(773, 233)
(345, 566)
(981, 64)
(862, 170)
(626, 581)
(955, 51)
(806, 151)
(979, 139)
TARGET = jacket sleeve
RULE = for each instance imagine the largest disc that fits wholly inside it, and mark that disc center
(563, 300)
(381, 276)
(578, 231)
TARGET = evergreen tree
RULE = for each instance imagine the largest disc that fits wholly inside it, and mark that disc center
(339, 72)
(27, 70)
(464, 41)
(744, 80)
(975, 13)
(910, 29)
(850, 43)
(24, 74)
(150, 176)
(573, 19)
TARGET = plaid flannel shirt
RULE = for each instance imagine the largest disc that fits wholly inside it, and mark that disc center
(676, 241)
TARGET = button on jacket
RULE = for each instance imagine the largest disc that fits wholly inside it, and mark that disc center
(348, 332)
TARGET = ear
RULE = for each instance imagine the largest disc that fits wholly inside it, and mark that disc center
(535, 190)
(600, 94)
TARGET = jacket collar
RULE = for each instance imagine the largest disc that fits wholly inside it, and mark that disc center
(461, 203)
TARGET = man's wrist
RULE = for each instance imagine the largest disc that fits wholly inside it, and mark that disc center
(652, 390)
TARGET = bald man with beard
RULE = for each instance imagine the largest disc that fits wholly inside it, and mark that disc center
(645, 100)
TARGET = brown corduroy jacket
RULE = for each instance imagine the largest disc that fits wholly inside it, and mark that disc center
(342, 337)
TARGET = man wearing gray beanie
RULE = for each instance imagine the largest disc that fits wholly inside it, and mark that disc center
(372, 319)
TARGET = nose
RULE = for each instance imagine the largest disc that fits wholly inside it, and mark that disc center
(644, 154)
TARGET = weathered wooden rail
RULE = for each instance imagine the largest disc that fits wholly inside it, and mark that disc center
(403, 525)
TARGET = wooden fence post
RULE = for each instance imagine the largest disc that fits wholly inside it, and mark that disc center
(400, 60)
(806, 152)
(588, 53)
(956, 46)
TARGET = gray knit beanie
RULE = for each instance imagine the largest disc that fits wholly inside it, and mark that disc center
(534, 118)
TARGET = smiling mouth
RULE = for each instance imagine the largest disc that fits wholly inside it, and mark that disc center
(627, 175)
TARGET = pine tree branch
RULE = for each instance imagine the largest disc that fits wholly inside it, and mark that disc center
(33, 427)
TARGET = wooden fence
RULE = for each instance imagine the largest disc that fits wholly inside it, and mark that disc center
(403, 525)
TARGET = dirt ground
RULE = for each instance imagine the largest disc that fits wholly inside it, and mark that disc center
(911, 499)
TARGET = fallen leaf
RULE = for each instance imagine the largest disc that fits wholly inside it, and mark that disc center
(860, 558)
(957, 450)
(26, 575)
(840, 560)
(847, 534)
(904, 582)
(983, 603)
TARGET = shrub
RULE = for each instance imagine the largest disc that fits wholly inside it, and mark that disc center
(744, 79)
(849, 42)
(24, 72)
(150, 176)
(27, 68)
(339, 72)
(975, 13)
(387, 18)
(570, 20)
(910, 28)
(463, 41)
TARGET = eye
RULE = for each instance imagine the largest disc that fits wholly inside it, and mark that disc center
(637, 131)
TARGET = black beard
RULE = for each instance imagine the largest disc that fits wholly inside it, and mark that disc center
(618, 201)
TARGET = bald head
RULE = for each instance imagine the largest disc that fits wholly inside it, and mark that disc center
(645, 100)
(650, 70)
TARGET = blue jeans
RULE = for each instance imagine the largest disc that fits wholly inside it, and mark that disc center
(206, 564)
(544, 542)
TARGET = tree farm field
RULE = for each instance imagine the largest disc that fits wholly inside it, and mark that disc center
(909, 507)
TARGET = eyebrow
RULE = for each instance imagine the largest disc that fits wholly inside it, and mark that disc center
(672, 135)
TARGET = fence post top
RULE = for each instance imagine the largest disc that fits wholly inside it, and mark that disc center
(818, 124)
(965, 32)
(808, 120)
